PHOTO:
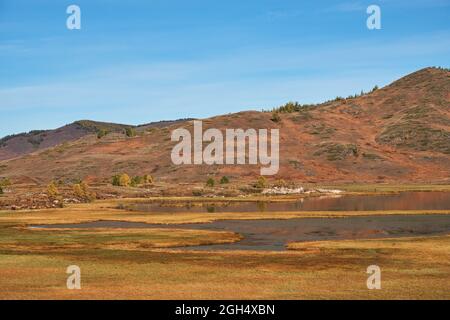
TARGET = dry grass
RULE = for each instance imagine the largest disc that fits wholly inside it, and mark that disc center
(410, 270)
(136, 263)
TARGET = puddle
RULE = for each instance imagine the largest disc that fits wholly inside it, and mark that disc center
(275, 234)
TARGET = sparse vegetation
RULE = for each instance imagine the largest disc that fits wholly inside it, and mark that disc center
(101, 133)
(52, 190)
(136, 181)
(261, 183)
(29, 135)
(275, 117)
(81, 191)
(197, 192)
(417, 136)
(289, 107)
(210, 182)
(124, 180)
(130, 132)
(280, 183)
(5, 182)
(322, 130)
(35, 140)
(371, 156)
(224, 180)
(144, 180)
(148, 179)
(337, 151)
(121, 180)
(96, 126)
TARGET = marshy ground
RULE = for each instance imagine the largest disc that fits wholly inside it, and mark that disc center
(161, 263)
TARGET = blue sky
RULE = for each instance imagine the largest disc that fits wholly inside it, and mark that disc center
(141, 61)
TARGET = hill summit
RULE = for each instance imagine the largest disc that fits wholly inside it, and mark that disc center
(398, 133)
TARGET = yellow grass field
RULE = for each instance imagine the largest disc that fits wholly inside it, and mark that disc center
(142, 263)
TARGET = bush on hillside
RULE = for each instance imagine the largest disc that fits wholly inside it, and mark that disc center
(121, 180)
(210, 182)
(101, 133)
(81, 191)
(52, 190)
(5, 182)
(275, 117)
(224, 180)
(130, 132)
(261, 182)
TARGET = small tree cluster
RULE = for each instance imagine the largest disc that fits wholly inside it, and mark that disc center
(141, 180)
(289, 107)
(52, 190)
(261, 182)
(81, 191)
(54, 195)
(121, 180)
(4, 182)
(124, 180)
(101, 133)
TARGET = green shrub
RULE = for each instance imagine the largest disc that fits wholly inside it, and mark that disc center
(136, 181)
(224, 180)
(130, 132)
(5, 182)
(148, 179)
(289, 107)
(101, 133)
(122, 180)
(261, 182)
(275, 117)
(81, 190)
(197, 193)
(210, 182)
(52, 190)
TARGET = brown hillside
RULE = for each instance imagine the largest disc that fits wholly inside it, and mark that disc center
(400, 133)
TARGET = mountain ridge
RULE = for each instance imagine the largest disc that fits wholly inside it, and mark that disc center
(398, 133)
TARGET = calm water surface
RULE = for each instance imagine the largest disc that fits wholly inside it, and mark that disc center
(275, 234)
(400, 201)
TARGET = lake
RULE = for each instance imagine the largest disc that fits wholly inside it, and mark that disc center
(398, 201)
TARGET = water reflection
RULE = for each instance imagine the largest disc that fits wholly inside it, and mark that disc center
(401, 201)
